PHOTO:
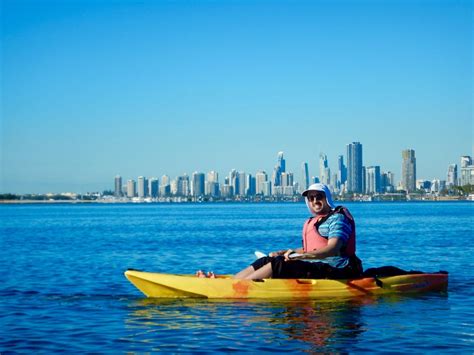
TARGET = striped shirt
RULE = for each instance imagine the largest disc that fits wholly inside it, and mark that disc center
(336, 226)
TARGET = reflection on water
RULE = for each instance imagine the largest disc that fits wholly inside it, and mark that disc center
(311, 324)
(319, 325)
(225, 325)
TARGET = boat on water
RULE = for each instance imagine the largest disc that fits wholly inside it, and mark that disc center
(160, 285)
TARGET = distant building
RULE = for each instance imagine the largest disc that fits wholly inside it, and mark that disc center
(281, 163)
(305, 176)
(212, 184)
(182, 185)
(278, 170)
(373, 180)
(260, 179)
(354, 168)
(408, 170)
(324, 171)
(341, 172)
(131, 188)
(388, 181)
(242, 185)
(424, 185)
(467, 171)
(165, 186)
(267, 188)
(142, 189)
(467, 175)
(118, 186)
(153, 187)
(251, 185)
(234, 181)
(466, 160)
(452, 176)
(227, 191)
(437, 186)
(197, 184)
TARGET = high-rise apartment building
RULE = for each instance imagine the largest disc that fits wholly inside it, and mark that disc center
(261, 178)
(131, 188)
(276, 176)
(373, 180)
(242, 177)
(234, 181)
(452, 176)
(341, 172)
(354, 168)
(182, 185)
(466, 161)
(153, 187)
(305, 176)
(388, 181)
(165, 186)
(212, 184)
(250, 183)
(267, 188)
(408, 170)
(142, 188)
(281, 162)
(118, 186)
(280, 168)
(467, 171)
(197, 184)
(324, 171)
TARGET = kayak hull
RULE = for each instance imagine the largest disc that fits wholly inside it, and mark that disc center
(159, 285)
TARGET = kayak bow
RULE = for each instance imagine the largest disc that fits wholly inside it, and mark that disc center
(158, 285)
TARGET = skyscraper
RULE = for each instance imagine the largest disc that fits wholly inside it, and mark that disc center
(118, 186)
(467, 171)
(452, 178)
(388, 181)
(373, 180)
(131, 188)
(354, 168)
(182, 185)
(408, 170)
(466, 161)
(250, 183)
(324, 171)
(212, 184)
(234, 182)
(153, 187)
(278, 170)
(341, 171)
(165, 187)
(260, 178)
(305, 176)
(242, 177)
(142, 187)
(197, 186)
(281, 162)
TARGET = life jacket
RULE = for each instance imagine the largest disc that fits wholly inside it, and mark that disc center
(312, 240)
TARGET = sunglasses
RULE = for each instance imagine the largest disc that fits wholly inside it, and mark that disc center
(316, 197)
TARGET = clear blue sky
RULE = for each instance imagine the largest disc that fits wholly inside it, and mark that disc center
(91, 89)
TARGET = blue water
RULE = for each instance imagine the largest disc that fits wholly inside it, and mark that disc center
(63, 287)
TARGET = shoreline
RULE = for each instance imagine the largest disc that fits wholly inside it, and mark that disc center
(49, 202)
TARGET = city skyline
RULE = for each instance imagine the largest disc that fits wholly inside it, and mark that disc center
(93, 88)
(363, 180)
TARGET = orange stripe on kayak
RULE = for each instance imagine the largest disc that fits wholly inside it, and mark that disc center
(241, 288)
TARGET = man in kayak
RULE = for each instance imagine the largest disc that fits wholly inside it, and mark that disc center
(328, 250)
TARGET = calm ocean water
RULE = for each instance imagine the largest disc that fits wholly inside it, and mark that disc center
(63, 287)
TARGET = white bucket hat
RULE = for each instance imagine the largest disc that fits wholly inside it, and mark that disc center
(321, 188)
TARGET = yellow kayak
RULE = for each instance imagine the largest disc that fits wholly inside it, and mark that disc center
(157, 285)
